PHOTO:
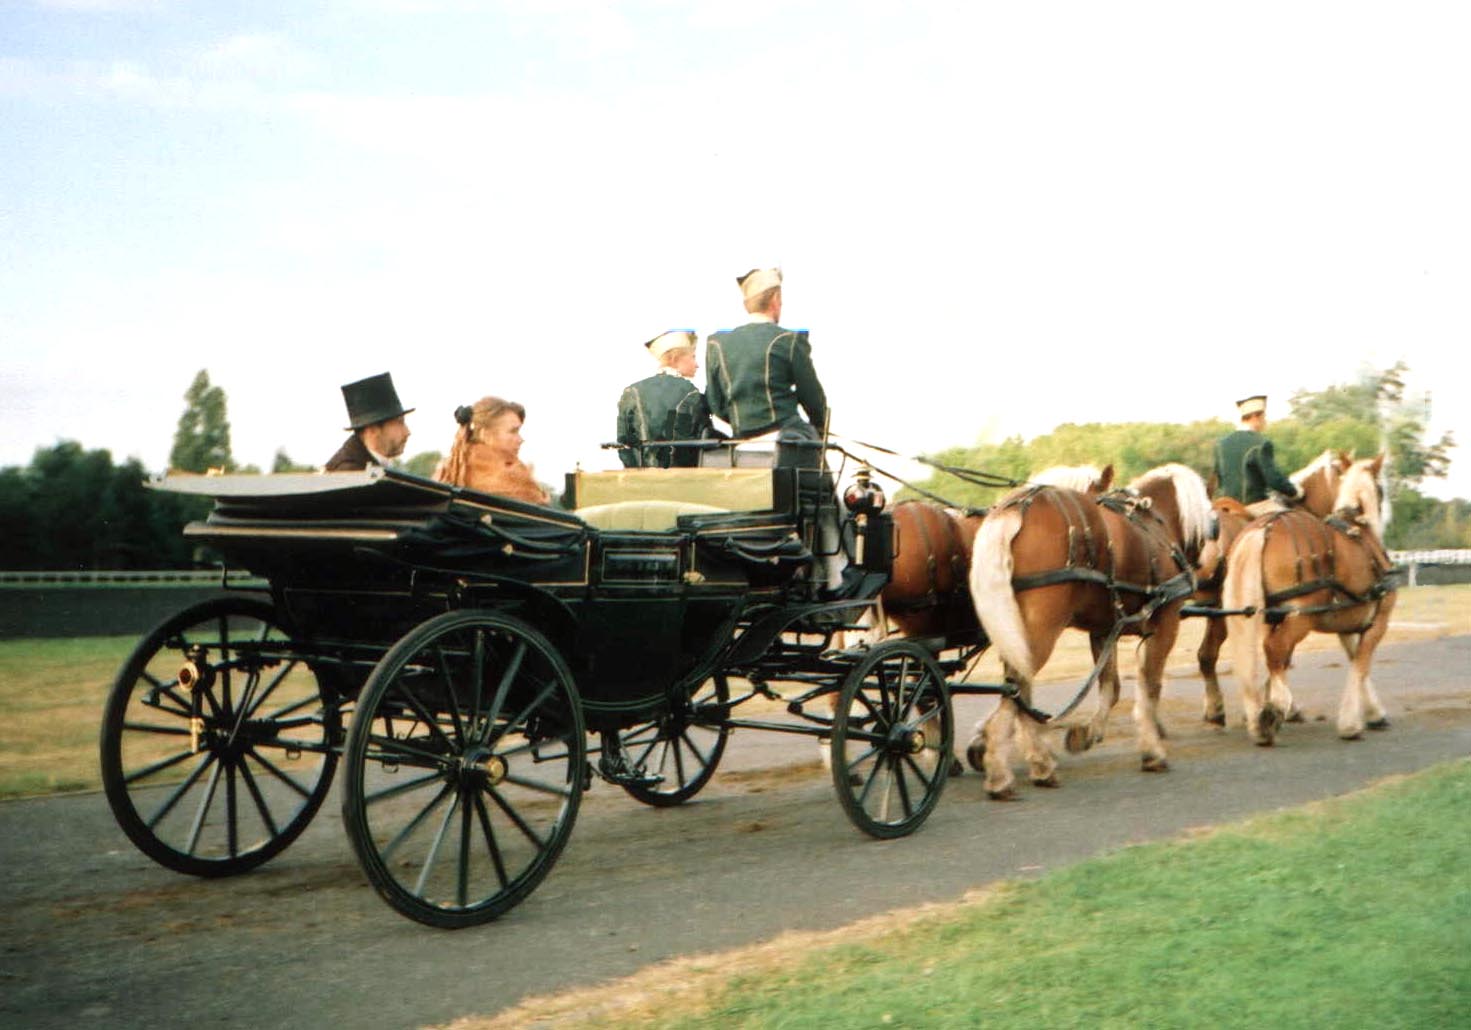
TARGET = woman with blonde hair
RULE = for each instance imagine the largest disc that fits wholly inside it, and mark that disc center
(485, 454)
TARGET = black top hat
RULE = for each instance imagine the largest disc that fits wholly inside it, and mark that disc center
(372, 400)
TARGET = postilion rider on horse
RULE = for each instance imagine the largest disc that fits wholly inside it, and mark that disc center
(665, 406)
(1245, 467)
(376, 420)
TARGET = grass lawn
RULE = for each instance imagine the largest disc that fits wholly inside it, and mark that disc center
(1346, 913)
(52, 691)
(51, 697)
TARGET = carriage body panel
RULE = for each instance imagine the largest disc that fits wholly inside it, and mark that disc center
(355, 560)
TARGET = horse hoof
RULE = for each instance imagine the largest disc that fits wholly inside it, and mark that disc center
(1267, 724)
(1147, 764)
(1047, 781)
(1351, 736)
(1004, 794)
(976, 755)
(1378, 724)
(1295, 715)
(1076, 739)
(956, 768)
(1217, 719)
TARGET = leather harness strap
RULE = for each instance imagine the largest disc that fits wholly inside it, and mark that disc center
(1324, 575)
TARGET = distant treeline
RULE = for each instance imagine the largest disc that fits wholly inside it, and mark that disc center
(73, 508)
(1133, 448)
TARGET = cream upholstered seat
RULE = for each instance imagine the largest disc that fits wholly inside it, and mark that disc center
(726, 489)
(641, 516)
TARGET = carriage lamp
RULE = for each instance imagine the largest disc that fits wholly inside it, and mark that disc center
(195, 676)
(863, 498)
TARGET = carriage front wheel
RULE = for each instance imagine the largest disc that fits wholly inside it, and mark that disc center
(893, 734)
(677, 747)
(466, 762)
(218, 743)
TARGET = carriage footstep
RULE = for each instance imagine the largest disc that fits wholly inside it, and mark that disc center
(615, 770)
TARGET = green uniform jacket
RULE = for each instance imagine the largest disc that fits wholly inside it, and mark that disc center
(758, 375)
(1246, 470)
(662, 407)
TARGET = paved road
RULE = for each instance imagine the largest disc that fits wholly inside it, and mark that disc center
(95, 934)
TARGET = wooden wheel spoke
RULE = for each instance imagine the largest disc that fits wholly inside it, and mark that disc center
(868, 783)
(535, 703)
(260, 802)
(928, 781)
(897, 767)
(513, 667)
(434, 845)
(203, 810)
(515, 818)
(490, 842)
(413, 824)
(462, 879)
(540, 786)
(400, 788)
(179, 791)
(454, 698)
(280, 774)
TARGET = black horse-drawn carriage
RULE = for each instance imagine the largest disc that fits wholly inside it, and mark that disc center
(474, 661)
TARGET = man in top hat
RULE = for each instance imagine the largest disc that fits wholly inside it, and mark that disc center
(759, 374)
(376, 419)
(665, 406)
(1245, 467)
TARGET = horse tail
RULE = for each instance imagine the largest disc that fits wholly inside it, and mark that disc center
(991, 567)
(1245, 588)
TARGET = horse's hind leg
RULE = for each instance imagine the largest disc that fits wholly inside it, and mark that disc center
(1281, 641)
(1041, 765)
(1081, 738)
(1360, 707)
(989, 751)
(1152, 756)
(1214, 709)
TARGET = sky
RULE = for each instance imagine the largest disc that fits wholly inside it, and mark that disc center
(992, 217)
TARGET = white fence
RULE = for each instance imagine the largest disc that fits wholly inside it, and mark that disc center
(1414, 561)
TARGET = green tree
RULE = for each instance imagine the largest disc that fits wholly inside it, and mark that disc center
(1366, 416)
(1376, 406)
(283, 463)
(423, 463)
(202, 440)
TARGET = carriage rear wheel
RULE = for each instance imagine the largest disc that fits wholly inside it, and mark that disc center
(893, 732)
(466, 763)
(678, 748)
(218, 743)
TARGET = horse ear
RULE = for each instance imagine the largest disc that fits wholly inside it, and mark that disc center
(1377, 463)
(1345, 459)
(1105, 478)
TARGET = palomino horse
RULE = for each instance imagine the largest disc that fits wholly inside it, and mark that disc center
(1303, 574)
(1047, 559)
(1319, 484)
(928, 594)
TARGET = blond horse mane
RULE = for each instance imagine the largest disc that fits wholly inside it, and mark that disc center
(1328, 459)
(1070, 477)
(1190, 496)
(1359, 490)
